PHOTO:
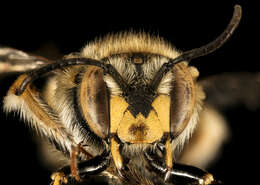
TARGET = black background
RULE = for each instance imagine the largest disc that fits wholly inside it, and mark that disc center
(29, 27)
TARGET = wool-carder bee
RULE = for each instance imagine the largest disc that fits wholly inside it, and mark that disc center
(119, 109)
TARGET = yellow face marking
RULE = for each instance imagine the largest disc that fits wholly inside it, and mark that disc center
(140, 129)
(117, 108)
(162, 107)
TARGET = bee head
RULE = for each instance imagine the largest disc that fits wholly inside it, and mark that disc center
(149, 94)
(141, 113)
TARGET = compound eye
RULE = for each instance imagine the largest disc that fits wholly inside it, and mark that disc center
(182, 101)
(94, 101)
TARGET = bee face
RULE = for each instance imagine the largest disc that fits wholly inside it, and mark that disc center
(140, 114)
(133, 113)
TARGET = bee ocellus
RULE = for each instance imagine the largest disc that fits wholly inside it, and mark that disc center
(119, 109)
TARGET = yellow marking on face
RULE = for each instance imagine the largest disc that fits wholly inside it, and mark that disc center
(162, 107)
(140, 129)
(117, 108)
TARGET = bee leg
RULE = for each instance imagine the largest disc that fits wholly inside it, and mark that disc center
(95, 165)
(92, 166)
(73, 165)
(75, 151)
(179, 174)
(185, 174)
(58, 178)
(83, 151)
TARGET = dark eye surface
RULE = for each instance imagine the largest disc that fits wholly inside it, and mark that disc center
(94, 101)
(182, 100)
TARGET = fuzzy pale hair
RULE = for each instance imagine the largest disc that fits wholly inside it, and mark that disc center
(128, 42)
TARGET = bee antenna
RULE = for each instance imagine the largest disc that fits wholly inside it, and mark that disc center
(33, 75)
(204, 50)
